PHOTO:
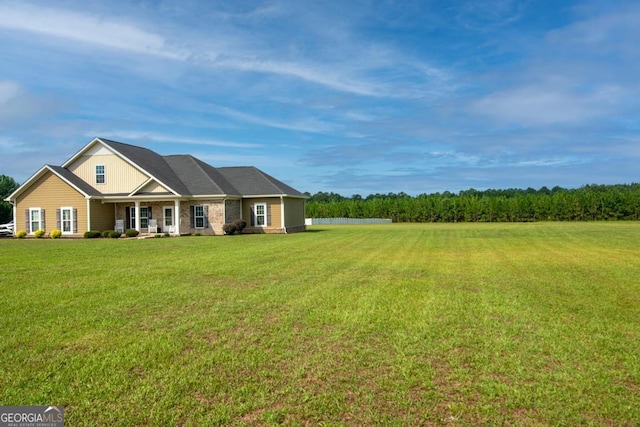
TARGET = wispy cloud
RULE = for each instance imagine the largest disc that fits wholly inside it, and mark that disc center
(154, 137)
(307, 125)
(85, 28)
(237, 51)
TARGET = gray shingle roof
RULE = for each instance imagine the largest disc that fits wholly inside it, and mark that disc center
(151, 162)
(199, 177)
(251, 181)
(190, 176)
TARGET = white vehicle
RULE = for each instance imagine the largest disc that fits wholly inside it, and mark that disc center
(6, 229)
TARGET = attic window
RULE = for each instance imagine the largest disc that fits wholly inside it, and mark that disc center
(100, 174)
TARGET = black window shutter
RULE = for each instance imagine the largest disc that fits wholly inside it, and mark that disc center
(253, 216)
(75, 220)
(43, 223)
(58, 222)
(150, 217)
(205, 211)
(27, 221)
(127, 214)
(192, 216)
(268, 206)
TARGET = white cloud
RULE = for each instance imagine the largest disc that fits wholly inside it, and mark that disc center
(83, 27)
(306, 125)
(352, 66)
(168, 139)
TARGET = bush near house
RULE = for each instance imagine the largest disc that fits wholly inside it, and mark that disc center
(106, 233)
(38, 234)
(234, 227)
(132, 233)
(21, 234)
(115, 234)
(92, 234)
(55, 234)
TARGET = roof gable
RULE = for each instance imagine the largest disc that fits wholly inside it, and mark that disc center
(64, 174)
(151, 162)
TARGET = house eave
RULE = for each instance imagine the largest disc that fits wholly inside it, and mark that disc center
(13, 196)
(257, 196)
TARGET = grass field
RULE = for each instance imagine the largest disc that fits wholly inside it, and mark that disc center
(455, 324)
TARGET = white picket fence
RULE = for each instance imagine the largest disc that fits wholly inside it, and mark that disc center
(346, 221)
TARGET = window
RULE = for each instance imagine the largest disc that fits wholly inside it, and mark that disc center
(261, 215)
(130, 213)
(198, 216)
(35, 220)
(145, 214)
(100, 174)
(66, 220)
(130, 217)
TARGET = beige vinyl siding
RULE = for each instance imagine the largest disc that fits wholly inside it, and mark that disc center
(273, 209)
(293, 212)
(153, 187)
(51, 193)
(102, 216)
(120, 176)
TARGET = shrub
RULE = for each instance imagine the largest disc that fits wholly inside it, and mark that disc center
(234, 227)
(240, 224)
(55, 234)
(114, 234)
(229, 228)
(21, 234)
(39, 234)
(197, 234)
(92, 234)
(157, 236)
(132, 233)
(167, 235)
(106, 233)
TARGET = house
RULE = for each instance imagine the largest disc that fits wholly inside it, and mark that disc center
(108, 183)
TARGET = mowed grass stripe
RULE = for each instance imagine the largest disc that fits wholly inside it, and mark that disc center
(400, 324)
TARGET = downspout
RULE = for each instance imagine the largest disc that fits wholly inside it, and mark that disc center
(284, 227)
(224, 211)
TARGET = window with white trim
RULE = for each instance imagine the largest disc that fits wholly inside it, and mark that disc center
(35, 220)
(66, 220)
(100, 175)
(260, 213)
(198, 216)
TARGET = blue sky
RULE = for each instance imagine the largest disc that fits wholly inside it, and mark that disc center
(354, 97)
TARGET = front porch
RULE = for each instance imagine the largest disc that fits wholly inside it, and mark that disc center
(176, 217)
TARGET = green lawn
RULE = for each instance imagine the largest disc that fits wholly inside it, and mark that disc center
(418, 324)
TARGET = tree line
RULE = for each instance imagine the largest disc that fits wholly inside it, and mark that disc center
(587, 203)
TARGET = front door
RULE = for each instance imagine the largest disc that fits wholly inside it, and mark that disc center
(167, 222)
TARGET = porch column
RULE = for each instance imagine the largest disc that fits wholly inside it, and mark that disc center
(176, 217)
(137, 210)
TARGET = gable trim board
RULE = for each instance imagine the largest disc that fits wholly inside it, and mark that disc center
(178, 181)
